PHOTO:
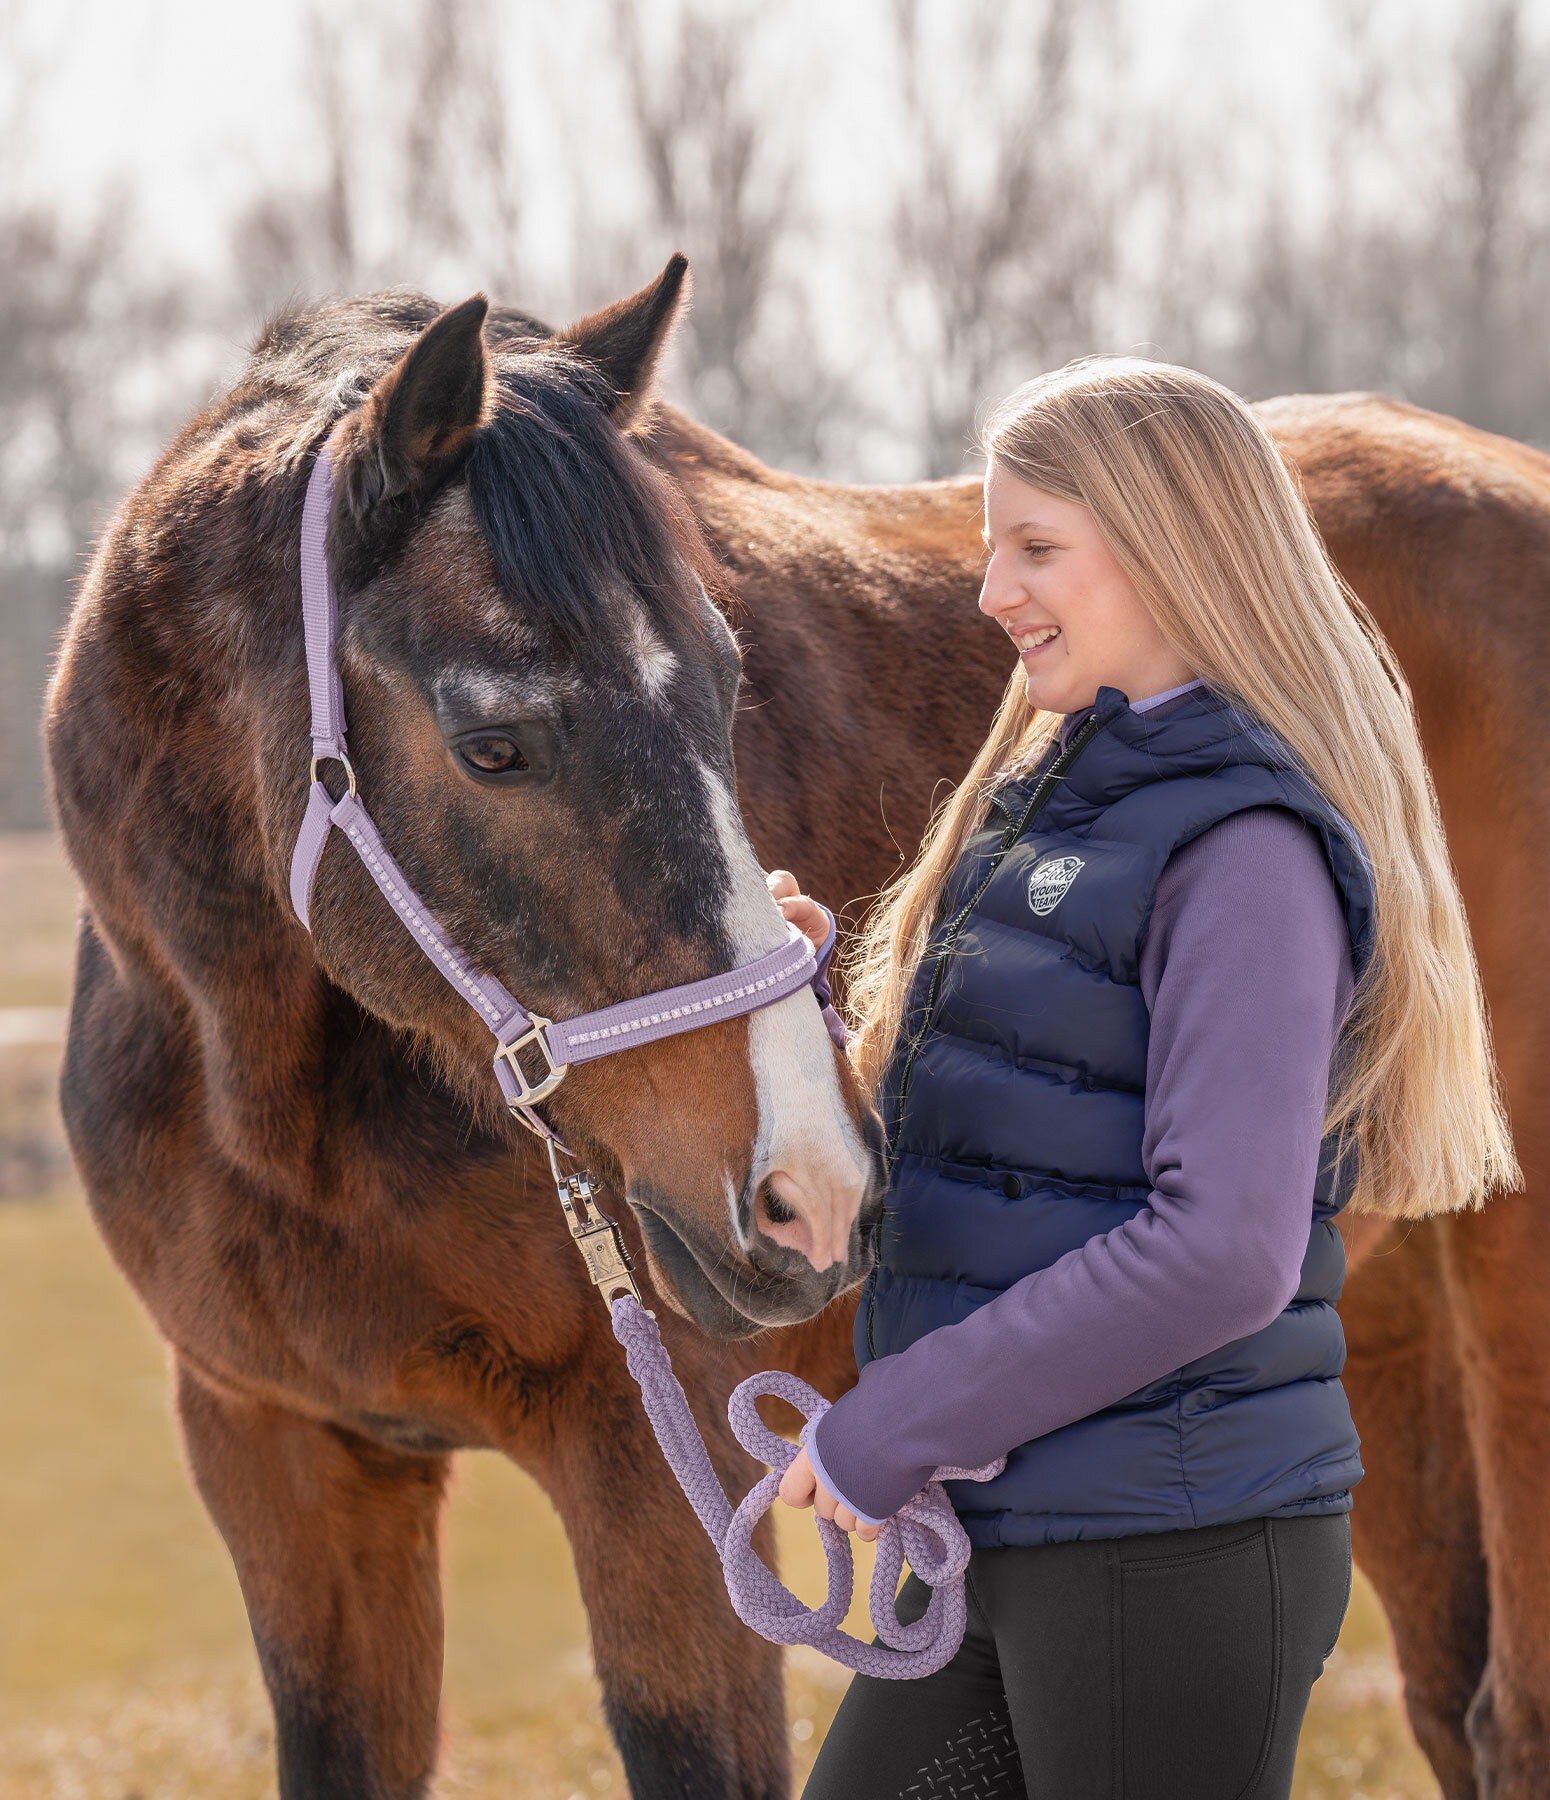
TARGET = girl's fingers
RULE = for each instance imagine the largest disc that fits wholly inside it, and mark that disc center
(799, 1486)
(796, 907)
(807, 916)
(799, 1483)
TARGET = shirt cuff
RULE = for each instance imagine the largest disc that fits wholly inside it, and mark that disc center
(828, 1481)
(834, 1024)
(867, 1438)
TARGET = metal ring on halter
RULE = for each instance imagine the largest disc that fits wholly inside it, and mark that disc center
(341, 759)
(529, 1092)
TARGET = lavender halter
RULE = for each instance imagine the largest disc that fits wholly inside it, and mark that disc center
(794, 965)
(926, 1530)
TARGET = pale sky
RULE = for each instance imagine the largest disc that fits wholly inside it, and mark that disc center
(194, 106)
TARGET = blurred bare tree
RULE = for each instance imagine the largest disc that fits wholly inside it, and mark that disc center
(1318, 289)
(1004, 217)
(417, 178)
(79, 322)
(1425, 272)
(716, 182)
(1030, 195)
(304, 239)
(1489, 262)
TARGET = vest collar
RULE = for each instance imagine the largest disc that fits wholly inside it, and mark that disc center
(1169, 702)
(1197, 735)
(1111, 703)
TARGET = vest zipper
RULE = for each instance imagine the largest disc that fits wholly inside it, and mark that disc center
(1084, 733)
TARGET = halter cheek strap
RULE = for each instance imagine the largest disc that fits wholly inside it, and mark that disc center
(782, 971)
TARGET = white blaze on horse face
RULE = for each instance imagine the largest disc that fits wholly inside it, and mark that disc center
(808, 1147)
(654, 664)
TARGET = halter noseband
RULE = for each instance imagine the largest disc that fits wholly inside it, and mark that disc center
(785, 970)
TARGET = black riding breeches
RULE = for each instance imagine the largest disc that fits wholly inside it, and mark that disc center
(1174, 1665)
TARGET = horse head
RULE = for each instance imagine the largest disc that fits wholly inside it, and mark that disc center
(540, 693)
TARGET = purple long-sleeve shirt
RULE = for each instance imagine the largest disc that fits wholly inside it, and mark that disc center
(1247, 974)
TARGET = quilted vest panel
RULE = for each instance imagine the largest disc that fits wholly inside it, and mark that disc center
(1014, 1104)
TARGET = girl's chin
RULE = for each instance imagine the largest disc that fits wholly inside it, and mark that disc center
(1045, 695)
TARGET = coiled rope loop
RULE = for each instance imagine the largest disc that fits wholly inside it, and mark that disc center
(925, 1532)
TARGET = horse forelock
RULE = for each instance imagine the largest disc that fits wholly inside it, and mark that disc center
(577, 522)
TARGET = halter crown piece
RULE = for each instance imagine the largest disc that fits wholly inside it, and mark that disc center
(926, 1530)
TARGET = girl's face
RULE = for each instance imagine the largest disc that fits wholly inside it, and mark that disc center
(1054, 587)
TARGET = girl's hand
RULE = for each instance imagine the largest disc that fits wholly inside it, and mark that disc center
(798, 910)
(799, 1486)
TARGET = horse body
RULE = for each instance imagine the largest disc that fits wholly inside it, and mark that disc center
(1445, 533)
(361, 1267)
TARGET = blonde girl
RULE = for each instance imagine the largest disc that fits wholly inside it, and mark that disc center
(1181, 971)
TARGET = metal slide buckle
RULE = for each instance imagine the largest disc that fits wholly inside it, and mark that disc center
(598, 1237)
(528, 1092)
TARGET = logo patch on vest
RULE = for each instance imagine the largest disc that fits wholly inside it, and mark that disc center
(1048, 883)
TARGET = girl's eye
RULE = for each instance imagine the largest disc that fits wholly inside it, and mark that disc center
(1037, 549)
(491, 753)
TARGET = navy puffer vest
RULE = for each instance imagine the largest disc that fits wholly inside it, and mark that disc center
(1014, 1107)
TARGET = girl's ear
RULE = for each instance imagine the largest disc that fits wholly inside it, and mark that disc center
(421, 418)
(626, 339)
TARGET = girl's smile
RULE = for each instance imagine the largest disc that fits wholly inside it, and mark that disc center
(1030, 640)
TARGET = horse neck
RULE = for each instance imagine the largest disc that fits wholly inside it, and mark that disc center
(186, 681)
(858, 609)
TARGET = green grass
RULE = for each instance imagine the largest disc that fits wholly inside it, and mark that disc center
(126, 1671)
(38, 902)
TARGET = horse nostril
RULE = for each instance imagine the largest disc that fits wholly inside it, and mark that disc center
(775, 1210)
(814, 1221)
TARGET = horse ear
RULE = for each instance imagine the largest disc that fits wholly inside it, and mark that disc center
(626, 339)
(422, 416)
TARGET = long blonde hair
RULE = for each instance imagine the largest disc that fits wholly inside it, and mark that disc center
(1209, 523)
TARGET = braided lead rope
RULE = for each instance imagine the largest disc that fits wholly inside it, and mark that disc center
(925, 1532)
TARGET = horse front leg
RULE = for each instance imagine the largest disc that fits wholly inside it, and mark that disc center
(694, 1699)
(335, 1546)
(1416, 1527)
(1498, 1269)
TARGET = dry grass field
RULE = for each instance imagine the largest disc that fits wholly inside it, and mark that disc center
(126, 1672)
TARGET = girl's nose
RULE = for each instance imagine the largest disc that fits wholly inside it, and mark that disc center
(1000, 592)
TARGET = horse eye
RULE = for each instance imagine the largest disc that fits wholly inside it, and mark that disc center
(491, 753)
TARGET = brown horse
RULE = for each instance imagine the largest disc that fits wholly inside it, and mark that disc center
(291, 1147)
(292, 1144)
